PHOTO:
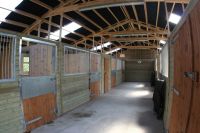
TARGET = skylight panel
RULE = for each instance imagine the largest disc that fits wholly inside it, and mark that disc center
(6, 7)
(162, 42)
(54, 37)
(173, 18)
(114, 50)
(3, 14)
(101, 46)
(67, 29)
(72, 27)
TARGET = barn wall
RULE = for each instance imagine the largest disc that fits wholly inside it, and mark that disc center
(11, 117)
(74, 91)
(192, 16)
(139, 65)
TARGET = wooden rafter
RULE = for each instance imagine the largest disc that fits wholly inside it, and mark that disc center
(105, 30)
(42, 4)
(135, 39)
(15, 23)
(115, 17)
(88, 19)
(80, 6)
(130, 32)
(140, 47)
(170, 1)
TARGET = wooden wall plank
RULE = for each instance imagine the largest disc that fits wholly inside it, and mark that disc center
(95, 89)
(41, 106)
(106, 74)
(183, 85)
(41, 60)
(194, 120)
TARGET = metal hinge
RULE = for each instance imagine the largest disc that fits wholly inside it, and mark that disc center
(192, 75)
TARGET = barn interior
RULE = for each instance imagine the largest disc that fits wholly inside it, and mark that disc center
(99, 66)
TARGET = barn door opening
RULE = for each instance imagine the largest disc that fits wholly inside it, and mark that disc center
(182, 91)
(38, 82)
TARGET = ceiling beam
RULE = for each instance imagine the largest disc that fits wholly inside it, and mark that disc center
(12, 22)
(104, 30)
(135, 39)
(78, 7)
(130, 32)
(42, 4)
(140, 47)
(89, 20)
(97, 3)
(170, 1)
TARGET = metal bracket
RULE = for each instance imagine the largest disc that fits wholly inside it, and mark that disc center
(192, 75)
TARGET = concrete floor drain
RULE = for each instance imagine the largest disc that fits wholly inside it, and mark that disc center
(83, 114)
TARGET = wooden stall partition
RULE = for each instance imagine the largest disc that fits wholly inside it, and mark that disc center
(194, 119)
(114, 68)
(95, 63)
(114, 64)
(40, 60)
(106, 74)
(182, 85)
(39, 85)
(39, 110)
(95, 89)
(113, 84)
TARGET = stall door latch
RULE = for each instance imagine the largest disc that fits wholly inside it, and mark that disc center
(192, 75)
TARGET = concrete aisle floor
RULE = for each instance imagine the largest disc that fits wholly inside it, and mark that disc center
(125, 109)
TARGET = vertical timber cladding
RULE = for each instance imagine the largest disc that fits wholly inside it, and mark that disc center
(182, 84)
(139, 70)
(119, 71)
(113, 72)
(95, 74)
(38, 85)
(139, 65)
(75, 82)
(11, 118)
(194, 120)
(106, 74)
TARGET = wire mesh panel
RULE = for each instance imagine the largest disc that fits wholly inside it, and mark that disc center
(7, 50)
(76, 61)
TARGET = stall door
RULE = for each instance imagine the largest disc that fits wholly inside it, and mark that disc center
(95, 75)
(182, 83)
(38, 83)
(106, 74)
(194, 121)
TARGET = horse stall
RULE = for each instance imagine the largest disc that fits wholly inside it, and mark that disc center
(95, 74)
(75, 80)
(37, 81)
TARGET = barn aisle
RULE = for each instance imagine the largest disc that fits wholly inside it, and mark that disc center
(125, 109)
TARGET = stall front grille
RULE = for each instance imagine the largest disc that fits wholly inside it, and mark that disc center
(7, 50)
